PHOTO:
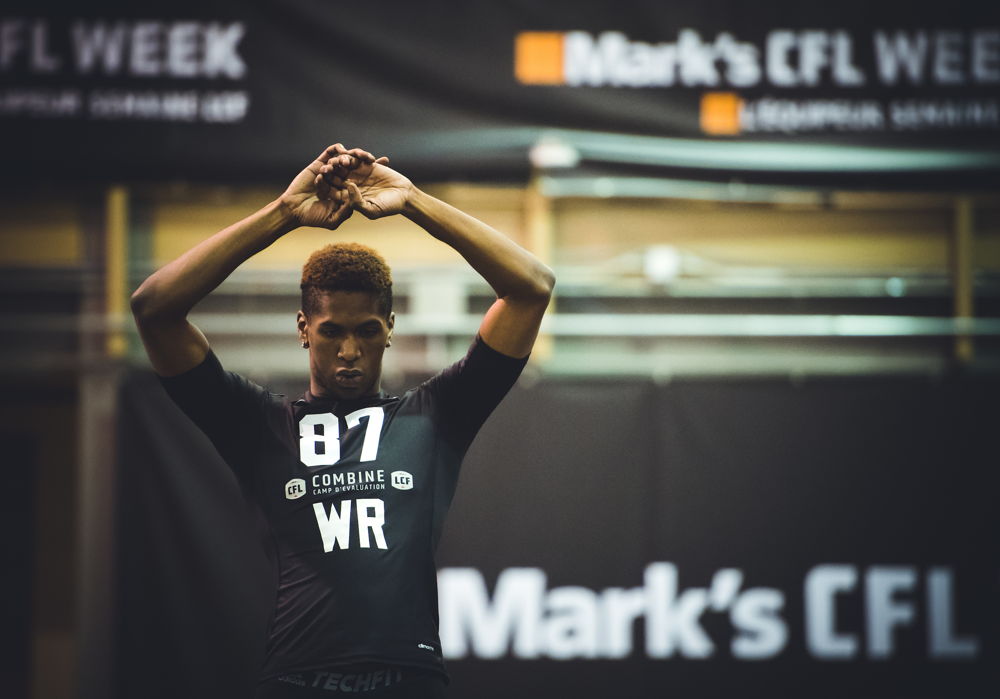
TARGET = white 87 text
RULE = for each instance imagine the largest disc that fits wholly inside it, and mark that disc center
(319, 436)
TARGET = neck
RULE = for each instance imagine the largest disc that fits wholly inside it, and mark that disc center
(318, 390)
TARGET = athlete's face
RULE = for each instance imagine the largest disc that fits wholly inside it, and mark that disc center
(346, 338)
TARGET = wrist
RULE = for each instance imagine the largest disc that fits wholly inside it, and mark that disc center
(281, 214)
(416, 203)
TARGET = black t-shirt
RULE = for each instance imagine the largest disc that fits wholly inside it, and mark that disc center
(355, 495)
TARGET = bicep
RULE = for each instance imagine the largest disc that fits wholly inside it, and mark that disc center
(173, 347)
(511, 326)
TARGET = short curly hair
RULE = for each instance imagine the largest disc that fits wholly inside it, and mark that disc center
(345, 267)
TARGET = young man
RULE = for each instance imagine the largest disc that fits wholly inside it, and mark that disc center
(354, 483)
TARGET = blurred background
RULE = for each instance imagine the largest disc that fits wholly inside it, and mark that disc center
(755, 449)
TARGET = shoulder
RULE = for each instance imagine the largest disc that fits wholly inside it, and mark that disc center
(482, 363)
(466, 392)
(209, 387)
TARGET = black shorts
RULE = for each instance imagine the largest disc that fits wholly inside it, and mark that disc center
(366, 680)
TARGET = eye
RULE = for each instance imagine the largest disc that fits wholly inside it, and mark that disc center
(369, 330)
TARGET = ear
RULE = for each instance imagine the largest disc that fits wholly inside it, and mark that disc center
(390, 323)
(303, 323)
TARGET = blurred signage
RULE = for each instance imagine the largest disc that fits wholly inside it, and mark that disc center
(526, 619)
(815, 60)
(182, 91)
(787, 58)
(88, 57)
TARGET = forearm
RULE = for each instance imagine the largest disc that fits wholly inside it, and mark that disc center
(513, 272)
(173, 290)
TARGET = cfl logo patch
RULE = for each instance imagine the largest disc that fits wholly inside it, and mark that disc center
(401, 480)
(294, 489)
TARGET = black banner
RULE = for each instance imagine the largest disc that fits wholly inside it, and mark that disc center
(610, 538)
(891, 92)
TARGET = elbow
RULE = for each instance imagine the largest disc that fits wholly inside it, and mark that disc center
(143, 304)
(139, 303)
(547, 281)
(542, 283)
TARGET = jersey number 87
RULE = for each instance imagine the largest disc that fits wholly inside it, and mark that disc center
(319, 436)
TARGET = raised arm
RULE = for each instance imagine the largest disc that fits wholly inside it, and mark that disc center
(523, 284)
(162, 302)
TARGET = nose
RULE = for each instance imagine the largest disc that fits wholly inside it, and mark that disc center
(349, 350)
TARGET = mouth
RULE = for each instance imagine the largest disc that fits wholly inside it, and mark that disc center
(348, 377)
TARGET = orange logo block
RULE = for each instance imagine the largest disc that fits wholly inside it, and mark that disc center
(538, 58)
(720, 113)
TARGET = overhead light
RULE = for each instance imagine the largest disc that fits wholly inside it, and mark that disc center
(661, 263)
(553, 152)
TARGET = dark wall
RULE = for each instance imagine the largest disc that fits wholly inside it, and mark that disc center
(592, 482)
(616, 538)
(17, 576)
(38, 521)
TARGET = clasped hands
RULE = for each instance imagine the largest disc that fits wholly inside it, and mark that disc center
(340, 181)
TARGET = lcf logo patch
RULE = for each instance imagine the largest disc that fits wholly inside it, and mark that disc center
(401, 480)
